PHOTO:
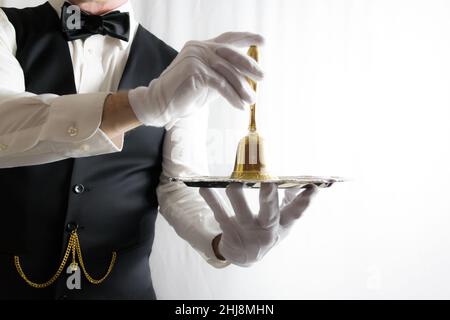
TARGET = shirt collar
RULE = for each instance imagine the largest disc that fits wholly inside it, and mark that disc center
(126, 7)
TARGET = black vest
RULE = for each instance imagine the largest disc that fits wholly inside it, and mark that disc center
(112, 198)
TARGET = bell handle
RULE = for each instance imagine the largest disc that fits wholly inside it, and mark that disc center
(253, 52)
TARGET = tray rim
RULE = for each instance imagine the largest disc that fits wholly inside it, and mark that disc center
(274, 180)
(284, 182)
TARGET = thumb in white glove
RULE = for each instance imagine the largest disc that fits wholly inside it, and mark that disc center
(247, 238)
(201, 70)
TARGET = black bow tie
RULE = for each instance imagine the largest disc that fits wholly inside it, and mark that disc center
(114, 24)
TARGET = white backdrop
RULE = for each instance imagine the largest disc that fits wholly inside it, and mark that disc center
(357, 88)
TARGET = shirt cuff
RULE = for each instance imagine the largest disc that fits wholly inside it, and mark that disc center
(73, 127)
(74, 118)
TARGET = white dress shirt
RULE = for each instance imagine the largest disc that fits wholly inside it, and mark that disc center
(38, 129)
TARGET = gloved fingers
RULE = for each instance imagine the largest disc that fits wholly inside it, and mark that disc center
(235, 193)
(269, 210)
(240, 39)
(294, 210)
(243, 63)
(224, 88)
(217, 205)
(236, 80)
(290, 194)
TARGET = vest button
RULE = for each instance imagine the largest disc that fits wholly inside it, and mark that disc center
(78, 189)
(71, 226)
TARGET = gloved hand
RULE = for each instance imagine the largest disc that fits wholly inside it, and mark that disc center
(247, 238)
(201, 70)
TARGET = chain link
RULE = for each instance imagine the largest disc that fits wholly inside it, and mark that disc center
(74, 248)
(83, 267)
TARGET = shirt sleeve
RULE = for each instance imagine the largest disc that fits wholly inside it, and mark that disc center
(184, 154)
(37, 129)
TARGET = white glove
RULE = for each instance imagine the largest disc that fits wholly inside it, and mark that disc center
(247, 238)
(200, 71)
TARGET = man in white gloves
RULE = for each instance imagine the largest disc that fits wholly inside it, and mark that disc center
(95, 114)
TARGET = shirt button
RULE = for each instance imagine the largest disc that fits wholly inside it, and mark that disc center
(72, 131)
(3, 147)
(78, 189)
(71, 226)
(85, 148)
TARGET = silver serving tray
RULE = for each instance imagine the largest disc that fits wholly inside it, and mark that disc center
(282, 182)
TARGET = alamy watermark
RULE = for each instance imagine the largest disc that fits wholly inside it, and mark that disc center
(73, 281)
(74, 18)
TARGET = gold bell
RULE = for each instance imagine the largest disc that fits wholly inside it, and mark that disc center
(250, 161)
